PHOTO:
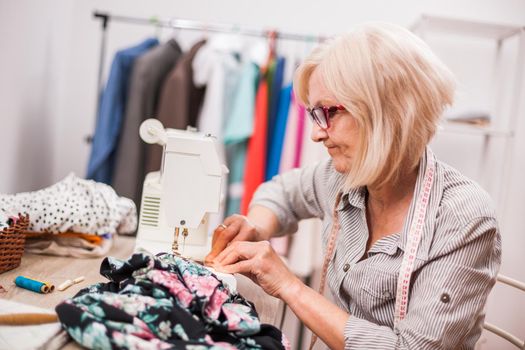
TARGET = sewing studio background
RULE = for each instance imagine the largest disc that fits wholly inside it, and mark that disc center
(51, 74)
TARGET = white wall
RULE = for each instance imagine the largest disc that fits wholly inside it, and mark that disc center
(32, 53)
(48, 69)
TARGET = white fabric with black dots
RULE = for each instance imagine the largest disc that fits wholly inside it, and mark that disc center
(74, 204)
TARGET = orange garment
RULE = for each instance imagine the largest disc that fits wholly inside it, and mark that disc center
(255, 165)
(93, 239)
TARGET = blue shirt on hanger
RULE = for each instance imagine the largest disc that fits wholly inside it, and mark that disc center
(277, 136)
(277, 84)
(111, 110)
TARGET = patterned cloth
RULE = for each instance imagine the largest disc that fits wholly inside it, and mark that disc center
(74, 204)
(164, 302)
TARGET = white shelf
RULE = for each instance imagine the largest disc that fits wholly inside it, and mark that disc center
(464, 27)
(504, 127)
(465, 129)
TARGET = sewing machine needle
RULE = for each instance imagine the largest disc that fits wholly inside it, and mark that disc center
(184, 235)
(175, 246)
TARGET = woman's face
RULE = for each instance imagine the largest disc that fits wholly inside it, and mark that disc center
(340, 138)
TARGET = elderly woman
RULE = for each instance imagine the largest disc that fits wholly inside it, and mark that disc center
(412, 246)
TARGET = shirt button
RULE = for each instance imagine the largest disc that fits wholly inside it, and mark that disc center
(346, 267)
(445, 298)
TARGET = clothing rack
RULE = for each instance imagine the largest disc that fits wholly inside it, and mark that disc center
(176, 23)
(186, 24)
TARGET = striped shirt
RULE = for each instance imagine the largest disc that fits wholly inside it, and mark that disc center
(456, 264)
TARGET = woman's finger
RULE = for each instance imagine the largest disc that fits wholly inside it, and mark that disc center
(221, 238)
(232, 218)
(243, 266)
(246, 233)
(216, 233)
(223, 254)
(227, 257)
(235, 252)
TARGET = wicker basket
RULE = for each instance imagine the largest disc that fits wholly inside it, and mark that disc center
(12, 241)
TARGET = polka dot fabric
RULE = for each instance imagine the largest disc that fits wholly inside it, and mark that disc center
(74, 204)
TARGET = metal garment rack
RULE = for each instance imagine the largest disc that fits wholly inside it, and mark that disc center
(191, 25)
(176, 23)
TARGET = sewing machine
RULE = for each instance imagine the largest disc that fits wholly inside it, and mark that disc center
(177, 200)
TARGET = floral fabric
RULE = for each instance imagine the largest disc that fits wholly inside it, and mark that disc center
(164, 302)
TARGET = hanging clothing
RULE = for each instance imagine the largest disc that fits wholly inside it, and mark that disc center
(179, 102)
(256, 152)
(238, 128)
(299, 136)
(277, 136)
(164, 302)
(111, 111)
(148, 75)
(281, 244)
(290, 137)
(273, 109)
(74, 204)
(299, 248)
(217, 67)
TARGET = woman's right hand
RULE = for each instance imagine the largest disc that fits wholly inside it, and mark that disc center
(234, 228)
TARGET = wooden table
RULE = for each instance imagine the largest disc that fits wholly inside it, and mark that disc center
(58, 269)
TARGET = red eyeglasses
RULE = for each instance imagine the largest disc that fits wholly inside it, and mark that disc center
(321, 115)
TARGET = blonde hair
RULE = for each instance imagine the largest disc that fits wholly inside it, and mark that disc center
(393, 85)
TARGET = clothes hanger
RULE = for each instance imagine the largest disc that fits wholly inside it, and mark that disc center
(157, 25)
(272, 42)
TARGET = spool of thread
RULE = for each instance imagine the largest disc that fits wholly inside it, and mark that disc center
(34, 285)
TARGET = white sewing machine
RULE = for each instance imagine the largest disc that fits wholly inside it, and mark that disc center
(177, 200)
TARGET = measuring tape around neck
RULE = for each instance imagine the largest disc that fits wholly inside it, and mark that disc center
(414, 237)
(409, 257)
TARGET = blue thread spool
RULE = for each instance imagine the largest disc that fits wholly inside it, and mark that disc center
(34, 285)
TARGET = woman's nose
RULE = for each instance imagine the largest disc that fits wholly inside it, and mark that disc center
(318, 134)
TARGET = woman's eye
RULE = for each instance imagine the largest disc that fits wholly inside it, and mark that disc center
(332, 112)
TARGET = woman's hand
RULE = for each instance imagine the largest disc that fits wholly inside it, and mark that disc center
(259, 262)
(235, 228)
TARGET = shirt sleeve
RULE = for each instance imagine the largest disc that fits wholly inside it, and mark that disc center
(295, 195)
(447, 297)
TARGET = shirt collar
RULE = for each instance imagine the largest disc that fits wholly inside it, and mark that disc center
(357, 198)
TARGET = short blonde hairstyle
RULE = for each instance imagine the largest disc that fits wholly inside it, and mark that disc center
(393, 85)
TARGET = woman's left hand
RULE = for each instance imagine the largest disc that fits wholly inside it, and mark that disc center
(259, 262)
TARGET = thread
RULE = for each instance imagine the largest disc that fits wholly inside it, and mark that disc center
(79, 279)
(69, 283)
(34, 285)
(65, 285)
